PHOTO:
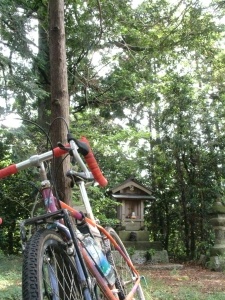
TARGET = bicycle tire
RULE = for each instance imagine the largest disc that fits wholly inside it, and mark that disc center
(124, 273)
(48, 271)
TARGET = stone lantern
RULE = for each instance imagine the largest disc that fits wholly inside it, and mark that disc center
(217, 252)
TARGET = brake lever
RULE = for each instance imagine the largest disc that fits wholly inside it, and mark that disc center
(61, 146)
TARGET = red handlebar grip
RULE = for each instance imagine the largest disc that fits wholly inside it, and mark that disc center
(12, 169)
(1, 221)
(93, 165)
(57, 152)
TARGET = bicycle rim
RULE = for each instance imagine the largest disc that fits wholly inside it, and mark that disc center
(125, 277)
(48, 271)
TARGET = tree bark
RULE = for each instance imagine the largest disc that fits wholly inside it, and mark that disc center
(59, 92)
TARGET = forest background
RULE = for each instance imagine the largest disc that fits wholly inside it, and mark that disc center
(146, 87)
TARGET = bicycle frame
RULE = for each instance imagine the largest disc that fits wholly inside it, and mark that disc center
(60, 217)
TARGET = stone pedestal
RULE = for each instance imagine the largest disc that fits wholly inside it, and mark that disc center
(158, 257)
(217, 252)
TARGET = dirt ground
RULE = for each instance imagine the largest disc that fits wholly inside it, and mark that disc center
(208, 282)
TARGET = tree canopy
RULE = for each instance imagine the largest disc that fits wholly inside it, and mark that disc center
(146, 86)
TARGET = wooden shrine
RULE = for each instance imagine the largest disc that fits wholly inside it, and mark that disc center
(132, 195)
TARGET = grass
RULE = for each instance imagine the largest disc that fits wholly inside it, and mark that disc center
(10, 277)
(154, 289)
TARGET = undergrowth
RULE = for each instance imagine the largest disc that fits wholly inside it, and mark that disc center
(10, 277)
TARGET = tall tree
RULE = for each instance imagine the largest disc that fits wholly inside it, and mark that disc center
(59, 91)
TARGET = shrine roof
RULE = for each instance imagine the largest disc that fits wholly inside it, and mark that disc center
(134, 197)
(131, 183)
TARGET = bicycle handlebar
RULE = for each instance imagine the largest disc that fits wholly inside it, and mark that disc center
(57, 152)
(32, 161)
(93, 165)
(7, 171)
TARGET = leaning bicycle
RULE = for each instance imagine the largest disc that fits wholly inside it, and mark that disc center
(67, 254)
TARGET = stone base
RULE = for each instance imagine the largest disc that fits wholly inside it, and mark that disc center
(143, 245)
(142, 256)
(217, 250)
(160, 257)
(141, 241)
(139, 257)
(162, 267)
(142, 235)
(202, 260)
(216, 263)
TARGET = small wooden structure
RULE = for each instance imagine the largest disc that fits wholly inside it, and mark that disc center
(132, 196)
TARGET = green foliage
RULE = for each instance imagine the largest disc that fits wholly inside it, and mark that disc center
(152, 106)
(131, 250)
(15, 206)
(150, 253)
(113, 145)
(104, 208)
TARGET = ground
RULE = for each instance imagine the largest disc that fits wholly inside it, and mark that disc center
(192, 277)
(208, 281)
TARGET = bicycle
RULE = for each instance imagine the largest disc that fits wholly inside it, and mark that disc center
(69, 255)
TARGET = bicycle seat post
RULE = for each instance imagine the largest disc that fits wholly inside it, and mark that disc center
(42, 171)
(85, 199)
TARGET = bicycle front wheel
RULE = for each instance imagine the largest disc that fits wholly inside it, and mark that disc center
(125, 276)
(48, 271)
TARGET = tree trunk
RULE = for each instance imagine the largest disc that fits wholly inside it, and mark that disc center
(59, 92)
(183, 203)
(167, 228)
(10, 237)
